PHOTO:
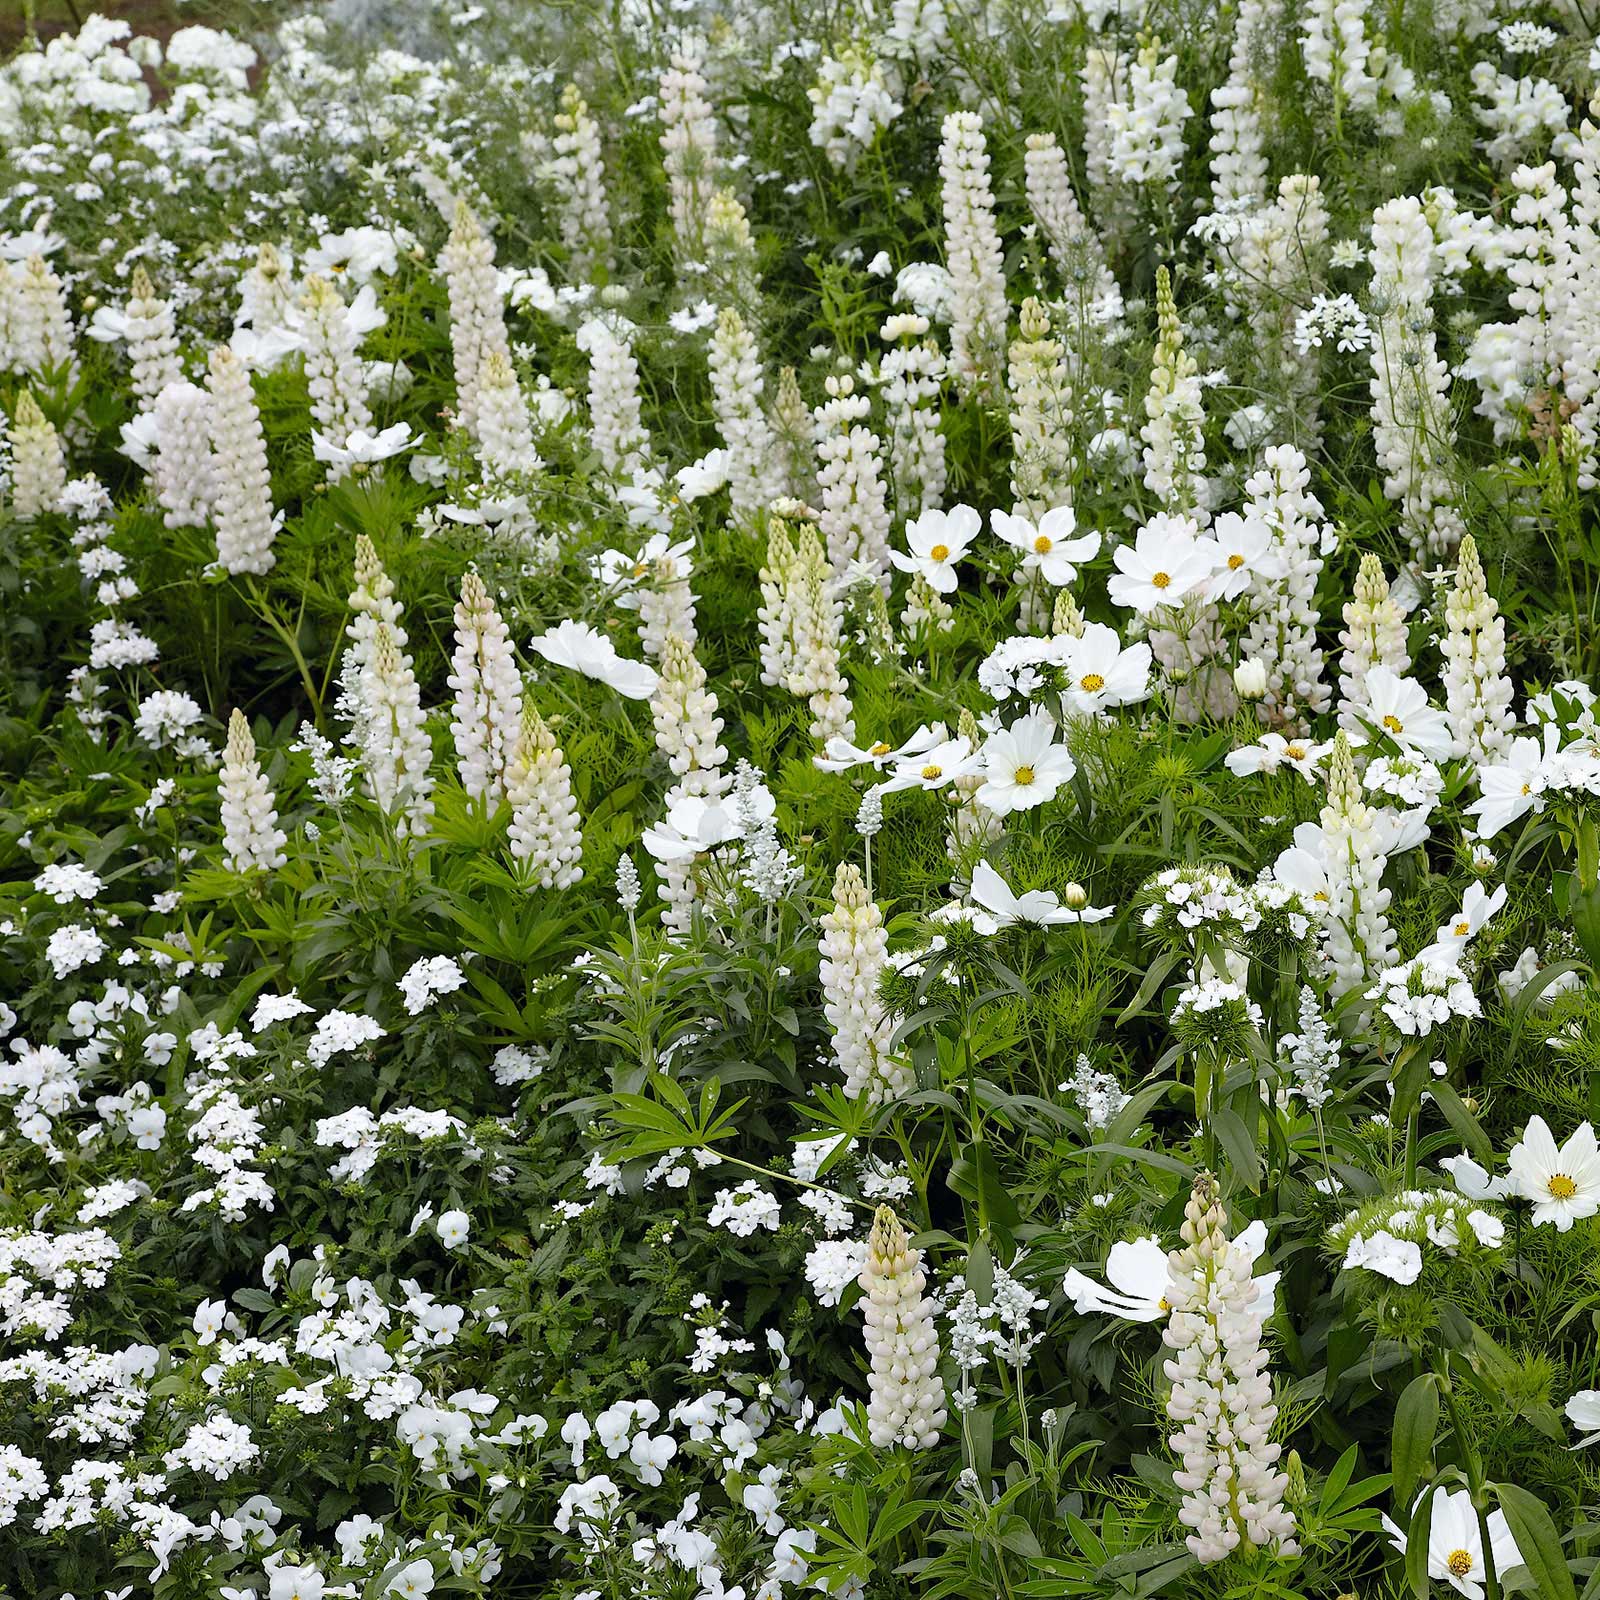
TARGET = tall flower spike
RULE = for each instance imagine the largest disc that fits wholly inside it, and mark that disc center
(1221, 1396)
(736, 388)
(152, 339)
(396, 752)
(505, 431)
(1477, 690)
(477, 313)
(1174, 454)
(905, 1392)
(688, 149)
(854, 958)
(183, 471)
(816, 618)
(488, 690)
(38, 465)
(43, 332)
(242, 504)
(334, 373)
(616, 425)
(577, 170)
(855, 500)
(1361, 943)
(1040, 394)
(544, 818)
(1374, 635)
(686, 722)
(911, 380)
(973, 254)
(252, 841)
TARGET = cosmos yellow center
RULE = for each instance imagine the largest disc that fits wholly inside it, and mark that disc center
(929, 773)
(1162, 1303)
(1561, 1187)
(1235, 561)
(1322, 895)
(879, 749)
(1527, 788)
(1091, 682)
(1044, 544)
(1024, 775)
(1462, 929)
(940, 552)
(1394, 724)
(1162, 580)
(1295, 752)
(1459, 1563)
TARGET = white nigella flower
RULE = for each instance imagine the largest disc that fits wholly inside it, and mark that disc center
(1399, 707)
(583, 649)
(937, 540)
(1038, 907)
(1455, 1543)
(1101, 673)
(1167, 561)
(1564, 1184)
(1048, 546)
(1024, 766)
(1583, 1412)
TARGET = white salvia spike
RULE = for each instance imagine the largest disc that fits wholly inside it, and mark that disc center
(544, 828)
(252, 841)
(242, 500)
(905, 1403)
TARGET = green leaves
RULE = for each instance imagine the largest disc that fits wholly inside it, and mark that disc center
(664, 1120)
(1538, 1543)
(1416, 1421)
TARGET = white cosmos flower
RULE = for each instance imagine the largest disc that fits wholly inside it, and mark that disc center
(1472, 1180)
(703, 477)
(1455, 1543)
(1245, 549)
(1477, 908)
(839, 755)
(1039, 907)
(1138, 1274)
(1048, 546)
(1583, 1412)
(1023, 765)
(1101, 673)
(932, 768)
(696, 824)
(583, 649)
(1272, 752)
(363, 448)
(1167, 561)
(937, 540)
(1399, 707)
(1511, 789)
(1564, 1184)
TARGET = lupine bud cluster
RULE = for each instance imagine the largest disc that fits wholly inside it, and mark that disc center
(906, 1394)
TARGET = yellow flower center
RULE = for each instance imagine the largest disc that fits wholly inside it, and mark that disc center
(1235, 561)
(1091, 682)
(1162, 1304)
(1459, 1563)
(1527, 788)
(1023, 775)
(879, 749)
(929, 773)
(1394, 724)
(1044, 544)
(1162, 579)
(1462, 929)
(1295, 752)
(940, 552)
(1322, 895)
(1561, 1187)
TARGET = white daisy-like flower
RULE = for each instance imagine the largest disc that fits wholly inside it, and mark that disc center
(1564, 1183)
(1024, 766)
(935, 542)
(1048, 546)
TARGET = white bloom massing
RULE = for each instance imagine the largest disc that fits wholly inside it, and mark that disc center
(973, 255)
(688, 148)
(242, 483)
(906, 1403)
(251, 838)
(1477, 689)
(335, 375)
(544, 830)
(684, 713)
(1221, 1396)
(182, 469)
(488, 694)
(1374, 635)
(152, 339)
(1360, 942)
(855, 957)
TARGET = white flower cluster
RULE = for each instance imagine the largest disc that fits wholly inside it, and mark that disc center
(906, 1404)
